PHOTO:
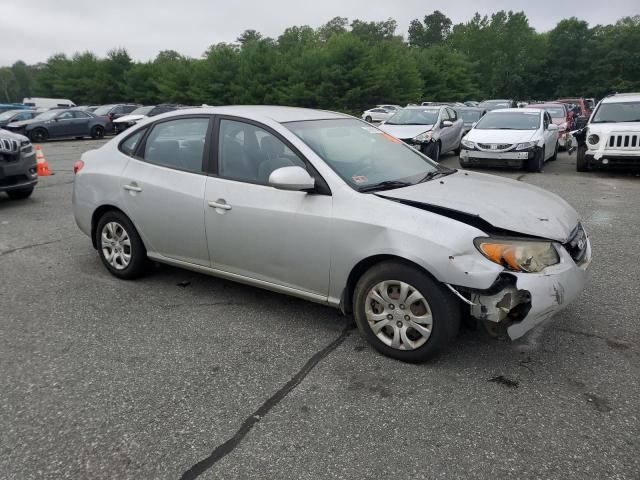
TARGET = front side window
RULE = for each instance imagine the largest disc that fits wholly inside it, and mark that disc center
(65, 116)
(103, 110)
(509, 121)
(617, 112)
(360, 154)
(177, 144)
(249, 153)
(470, 116)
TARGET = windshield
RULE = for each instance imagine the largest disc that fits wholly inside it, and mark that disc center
(469, 116)
(414, 116)
(495, 104)
(617, 112)
(8, 114)
(509, 121)
(361, 154)
(49, 115)
(142, 110)
(104, 110)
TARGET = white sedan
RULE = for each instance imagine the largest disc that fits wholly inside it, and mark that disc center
(511, 137)
(378, 114)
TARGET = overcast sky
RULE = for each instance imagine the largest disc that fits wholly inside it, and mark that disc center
(33, 30)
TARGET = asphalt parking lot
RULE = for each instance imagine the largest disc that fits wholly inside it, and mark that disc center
(178, 373)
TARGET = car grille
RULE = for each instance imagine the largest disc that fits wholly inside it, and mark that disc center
(577, 244)
(495, 147)
(7, 158)
(8, 146)
(624, 141)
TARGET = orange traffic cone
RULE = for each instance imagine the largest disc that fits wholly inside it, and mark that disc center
(43, 165)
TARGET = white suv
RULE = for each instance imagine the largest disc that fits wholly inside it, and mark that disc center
(612, 136)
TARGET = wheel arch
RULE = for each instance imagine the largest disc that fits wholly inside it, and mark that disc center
(98, 213)
(346, 300)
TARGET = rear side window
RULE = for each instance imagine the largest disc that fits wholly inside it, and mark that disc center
(177, 144)
(129, 146)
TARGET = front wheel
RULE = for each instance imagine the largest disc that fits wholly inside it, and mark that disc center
(536, 163)
(97, 132)
(403, 313)
(38, 135)
(582, 165)
(119, 246)
(368, 119)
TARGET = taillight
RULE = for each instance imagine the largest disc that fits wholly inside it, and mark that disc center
(77, 166)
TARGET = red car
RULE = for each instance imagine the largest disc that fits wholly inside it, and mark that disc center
(582, 110)
(560, 115)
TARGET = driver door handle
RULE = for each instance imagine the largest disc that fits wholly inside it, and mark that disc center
(223, 206)
(132, 187)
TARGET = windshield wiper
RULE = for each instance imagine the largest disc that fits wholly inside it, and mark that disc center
(437, 173)
(386, 185)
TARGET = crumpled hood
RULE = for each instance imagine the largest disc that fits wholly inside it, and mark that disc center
(500, 136)
(405, 131)
(22, 123)
(129, 118)
(504, 203)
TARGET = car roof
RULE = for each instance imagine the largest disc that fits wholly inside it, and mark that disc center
(424, 107)
(546, 104)
(516, 110)
(261, 112)
(622, 97)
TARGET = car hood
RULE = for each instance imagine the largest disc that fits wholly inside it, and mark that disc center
(12, 136)
(501, 136)
(405, 131)
(22, 123)
(505, 204)
(129, 118)
(614, 127)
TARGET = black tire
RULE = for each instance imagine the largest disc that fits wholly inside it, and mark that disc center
(554, 157)
(536, 163)
(433, 151)
(368, 119)
(20, 193)
(38, 135)
(137, 251)
(445, 311)
(97, 132)
(582, 165)
(463, 163)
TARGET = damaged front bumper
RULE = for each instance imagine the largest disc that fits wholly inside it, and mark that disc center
(520, 301)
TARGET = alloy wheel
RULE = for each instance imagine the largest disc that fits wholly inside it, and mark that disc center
(399, 315)
(116, 245)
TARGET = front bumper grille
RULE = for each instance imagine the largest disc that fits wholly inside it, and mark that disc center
(624, 141)
(577, 244)
(495, 147)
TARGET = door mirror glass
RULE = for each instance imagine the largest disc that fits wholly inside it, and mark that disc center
(291, 178)
(446, 123)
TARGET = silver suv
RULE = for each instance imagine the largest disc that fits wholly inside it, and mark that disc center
(326, 207)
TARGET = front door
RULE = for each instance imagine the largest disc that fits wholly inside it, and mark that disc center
(164, 187)
(260, 232)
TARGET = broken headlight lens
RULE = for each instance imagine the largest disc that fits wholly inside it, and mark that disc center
(519, 255)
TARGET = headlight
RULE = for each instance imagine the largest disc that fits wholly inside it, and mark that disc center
(423, 137)
(593, 139)
(526, 145)
(468, 144)
(519, 255)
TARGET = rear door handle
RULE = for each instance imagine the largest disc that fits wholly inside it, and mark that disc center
(132, 187)
(223, 206)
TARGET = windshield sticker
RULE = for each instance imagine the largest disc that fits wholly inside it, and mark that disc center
(359, 179)
(391, 138)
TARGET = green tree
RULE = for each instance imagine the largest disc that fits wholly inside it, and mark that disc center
(434, 30)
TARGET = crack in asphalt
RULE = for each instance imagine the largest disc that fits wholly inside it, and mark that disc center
(227, 447)
(32, 245)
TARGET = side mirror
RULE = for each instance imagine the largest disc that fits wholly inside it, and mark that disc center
(446, 123)
(553, 127)
(291, 178)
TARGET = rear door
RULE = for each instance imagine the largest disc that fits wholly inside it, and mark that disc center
(164, 183)
(257, 231)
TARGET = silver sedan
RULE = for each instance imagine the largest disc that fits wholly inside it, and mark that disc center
(326, 207)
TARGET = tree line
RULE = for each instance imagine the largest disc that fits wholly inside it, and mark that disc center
(349, 66)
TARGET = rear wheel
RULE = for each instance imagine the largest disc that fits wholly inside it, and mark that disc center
(536, 163)
(582, 165)
(119, 246)
(20, 193)
(403, 313)
(97, 132)
(38, 135)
